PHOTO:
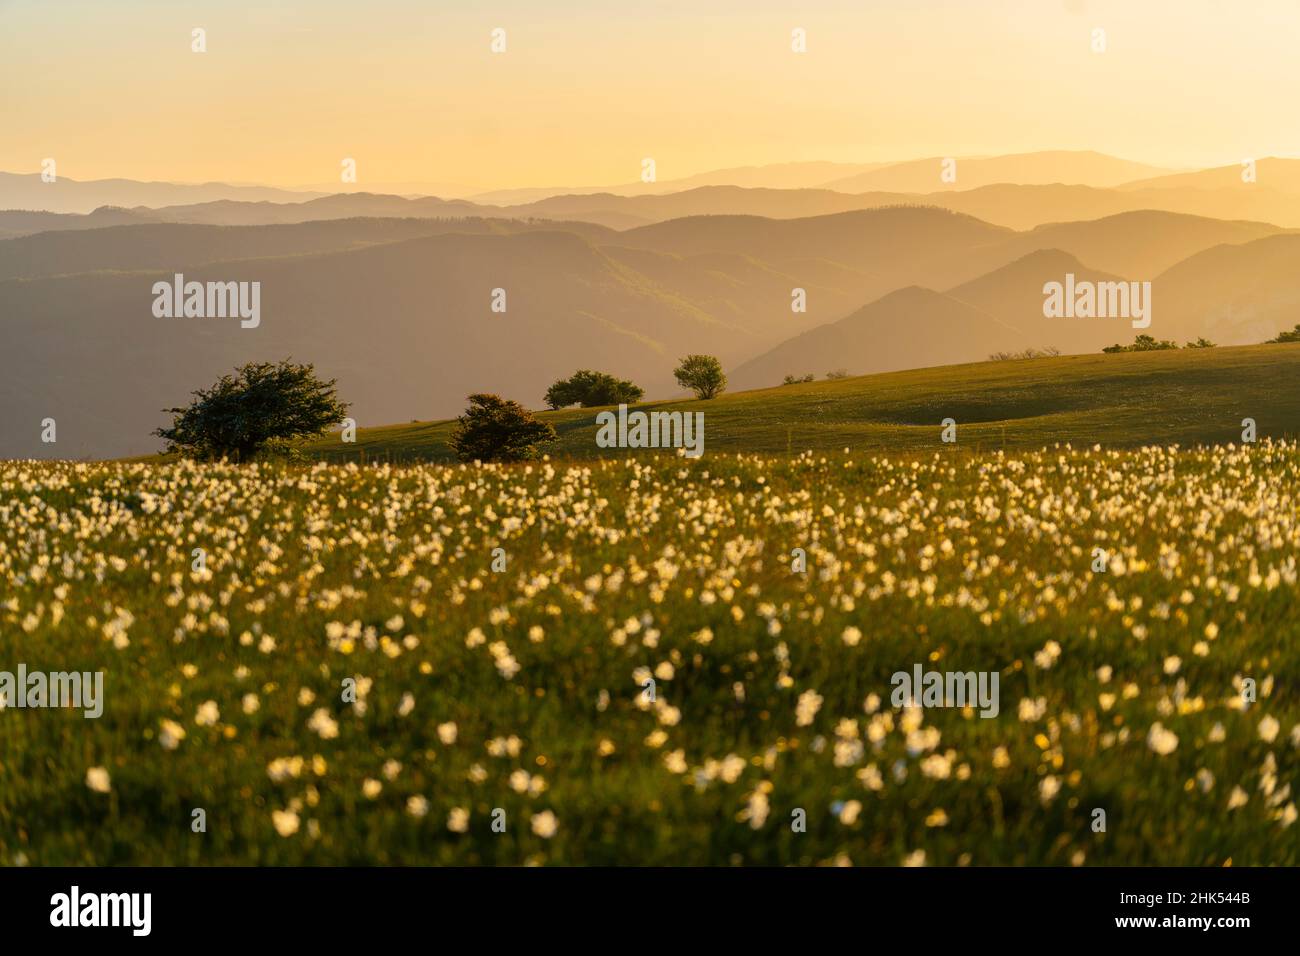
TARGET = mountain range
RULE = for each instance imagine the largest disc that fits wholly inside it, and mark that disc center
(393, 296)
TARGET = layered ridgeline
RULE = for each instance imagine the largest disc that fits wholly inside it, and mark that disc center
(52, 191)
(413, 314)
(415, 301)
(1018, 192)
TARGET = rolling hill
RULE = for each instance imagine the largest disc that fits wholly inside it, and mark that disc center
(1234, 294)
(337, 206)
(925, 245)
(1187, 396)
(398, 309)
(1027, 206)
(1052, 166)
(1271, 172)
(1014, 294)
(883, 337)
(176, 245)
(805, 175)
(405, 326)
(704, 201)
(16, 222)
(891, 247)
(1138, 245)
(1014, 206)
(746, 292)
(29, 191)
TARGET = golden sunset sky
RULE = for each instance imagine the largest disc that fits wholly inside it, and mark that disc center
(587, 88)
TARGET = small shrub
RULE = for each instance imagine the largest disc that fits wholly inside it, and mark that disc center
(497, 429)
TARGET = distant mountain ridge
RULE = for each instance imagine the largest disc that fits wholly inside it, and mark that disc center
(27, 191)
(1084, 167)
(397, 308)
(1014, 206)
(882, 336)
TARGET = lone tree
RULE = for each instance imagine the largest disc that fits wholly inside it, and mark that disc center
(497, 429)
(262, 403)
(702, 374)
(588, 389)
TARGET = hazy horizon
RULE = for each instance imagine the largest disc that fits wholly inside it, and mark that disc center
(453, 190)
(408, 187)
(582, 94)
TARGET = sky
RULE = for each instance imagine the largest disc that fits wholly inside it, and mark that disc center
(586, 89)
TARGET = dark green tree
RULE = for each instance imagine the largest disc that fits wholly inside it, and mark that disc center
(261, 404)
(589, 389)
(702, 374)
(1283, 337)
(497, 429)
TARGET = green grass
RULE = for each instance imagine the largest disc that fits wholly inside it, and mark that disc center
(384, 575)
(974, 557)
(1190, 396)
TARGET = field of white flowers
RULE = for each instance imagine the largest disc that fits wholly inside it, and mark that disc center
(344, 664)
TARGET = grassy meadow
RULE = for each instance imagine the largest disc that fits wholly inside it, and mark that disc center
(1184, 396)
(346, 678)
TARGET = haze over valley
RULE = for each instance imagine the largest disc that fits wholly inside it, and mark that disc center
(393, 295)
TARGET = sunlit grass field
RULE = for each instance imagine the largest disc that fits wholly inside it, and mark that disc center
(355, 676)
(1182, 396)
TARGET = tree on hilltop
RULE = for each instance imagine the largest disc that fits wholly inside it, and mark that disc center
(497, 429)
(1283, 337)
(589, 389)
(261, 405)
(702, 374)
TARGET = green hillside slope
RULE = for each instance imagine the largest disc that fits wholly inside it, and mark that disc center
(1185, 396)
